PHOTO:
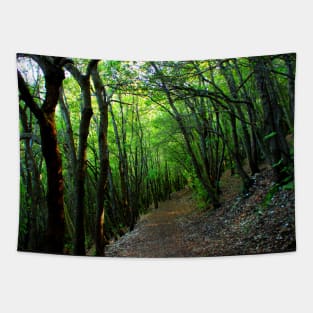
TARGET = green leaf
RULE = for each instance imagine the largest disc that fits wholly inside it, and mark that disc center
(289, 186)
(270, 135)
(278, 163)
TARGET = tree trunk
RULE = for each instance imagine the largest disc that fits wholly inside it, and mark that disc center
(55, 197)
(290, 64)
(252, 119)
(247, 142)
(277, 144)
(81, 165)
(33, 184)
(70, 152)
(102, 187)
(122, 172)
(45, 115)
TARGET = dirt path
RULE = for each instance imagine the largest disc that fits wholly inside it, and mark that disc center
(158, 233)
(242, 225)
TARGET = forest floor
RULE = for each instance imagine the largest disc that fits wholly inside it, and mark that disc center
(262, 221)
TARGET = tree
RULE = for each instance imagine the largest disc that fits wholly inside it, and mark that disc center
(102, 187)
(45, 115)
(81, 164)
(273, 135)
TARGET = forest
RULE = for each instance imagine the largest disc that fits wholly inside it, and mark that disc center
(107, 145)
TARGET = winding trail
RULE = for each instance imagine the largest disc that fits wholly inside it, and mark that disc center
(158, 233)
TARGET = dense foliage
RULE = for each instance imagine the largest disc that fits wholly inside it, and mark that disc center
(101, 142)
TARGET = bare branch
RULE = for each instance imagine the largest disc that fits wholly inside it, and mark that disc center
(26, 96)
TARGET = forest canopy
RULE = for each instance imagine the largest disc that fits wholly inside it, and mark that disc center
(103, 142)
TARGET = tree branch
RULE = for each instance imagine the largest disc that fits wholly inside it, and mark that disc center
(32, 136)
(26, 96)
